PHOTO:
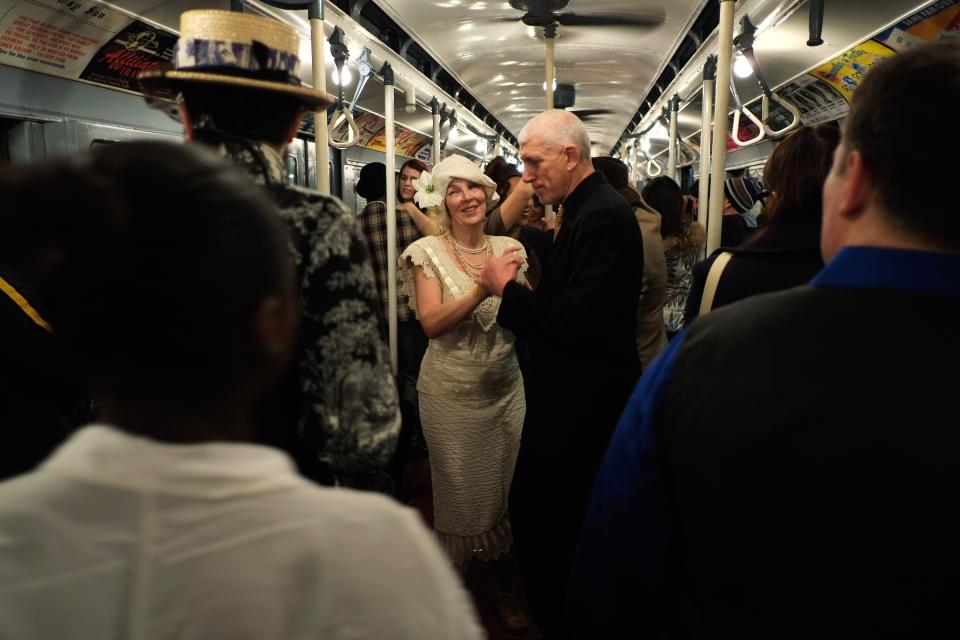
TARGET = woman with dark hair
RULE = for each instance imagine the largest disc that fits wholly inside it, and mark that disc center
(786, 251)
(169, 281)
(683, 239)
(410, 172)
(511, 217)
(537, 211)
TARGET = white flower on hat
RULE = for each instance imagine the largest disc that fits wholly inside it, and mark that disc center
(427, 195)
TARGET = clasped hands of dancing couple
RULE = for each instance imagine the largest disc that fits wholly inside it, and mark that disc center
(499, 270)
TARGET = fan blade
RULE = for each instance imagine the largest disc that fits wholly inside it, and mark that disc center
(589, 113)
(502, 20)
(609, 20)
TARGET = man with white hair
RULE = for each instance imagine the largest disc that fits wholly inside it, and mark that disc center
(581, 326)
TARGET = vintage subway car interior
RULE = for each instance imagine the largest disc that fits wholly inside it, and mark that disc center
(685, 88)
(66, 73)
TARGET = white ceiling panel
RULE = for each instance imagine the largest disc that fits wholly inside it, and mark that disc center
(502, 63)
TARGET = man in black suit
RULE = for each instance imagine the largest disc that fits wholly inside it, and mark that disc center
(581, 327)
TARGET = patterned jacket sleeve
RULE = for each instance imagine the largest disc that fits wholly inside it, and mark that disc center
(351, 412)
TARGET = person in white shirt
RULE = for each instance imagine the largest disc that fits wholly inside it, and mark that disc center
(170, 284)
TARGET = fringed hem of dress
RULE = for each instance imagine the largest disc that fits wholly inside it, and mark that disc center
(488, 545)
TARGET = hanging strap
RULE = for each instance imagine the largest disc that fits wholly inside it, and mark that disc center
(713, 279)
(25, 306)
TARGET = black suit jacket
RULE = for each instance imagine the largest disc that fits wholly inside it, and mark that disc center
(581, 326)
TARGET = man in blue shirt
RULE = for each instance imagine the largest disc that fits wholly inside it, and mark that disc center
(824, 499)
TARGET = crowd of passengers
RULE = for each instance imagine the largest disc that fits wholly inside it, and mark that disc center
(201, 419)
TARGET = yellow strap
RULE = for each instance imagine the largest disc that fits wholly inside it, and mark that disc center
(24, 305)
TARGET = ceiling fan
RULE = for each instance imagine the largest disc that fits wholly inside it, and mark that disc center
(542, 13)
(564, 97)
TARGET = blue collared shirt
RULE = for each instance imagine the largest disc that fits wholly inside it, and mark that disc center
(623, 568)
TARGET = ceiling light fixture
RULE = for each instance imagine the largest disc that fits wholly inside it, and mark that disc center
(742, 67)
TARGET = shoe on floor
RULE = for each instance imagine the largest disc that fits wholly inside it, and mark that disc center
(510, 611)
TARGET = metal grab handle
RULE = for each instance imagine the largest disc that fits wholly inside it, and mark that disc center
(734, 132)
(650, 164)
(736, 128)
(690, 151)
(765, 111)
(363, 62)
(353, 132)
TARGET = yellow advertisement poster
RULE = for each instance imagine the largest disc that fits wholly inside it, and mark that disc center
(845, 72)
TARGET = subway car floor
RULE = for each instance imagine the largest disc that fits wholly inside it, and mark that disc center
(419, 488)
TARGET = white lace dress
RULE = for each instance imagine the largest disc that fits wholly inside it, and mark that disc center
(471, 406)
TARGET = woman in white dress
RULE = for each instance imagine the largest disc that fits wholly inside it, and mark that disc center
(471, 391)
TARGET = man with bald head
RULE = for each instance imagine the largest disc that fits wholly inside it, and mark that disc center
(581, 326)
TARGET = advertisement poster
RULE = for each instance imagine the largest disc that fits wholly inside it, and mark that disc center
(57, 37)
(408, 143)
(939, 20)
(425, 153)
(816, 100)
(845, 72)
(136, 48)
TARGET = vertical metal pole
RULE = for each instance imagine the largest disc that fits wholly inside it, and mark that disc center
(672, 148)
(435, 110)
(636, 162)
(550, 33)
(706, 131)
(720, 127)
(388, 95)
(318, 43)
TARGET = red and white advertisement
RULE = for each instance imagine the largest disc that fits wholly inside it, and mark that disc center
(80, 40)
(55, 36)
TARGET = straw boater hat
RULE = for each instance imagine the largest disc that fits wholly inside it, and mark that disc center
(237, 50)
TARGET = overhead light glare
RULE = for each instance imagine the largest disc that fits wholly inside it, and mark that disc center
(342, 78)
(644, 145)
(742, 67)
(554, 84)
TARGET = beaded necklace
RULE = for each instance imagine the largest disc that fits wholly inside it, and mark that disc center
(480, 249)
(473, 272)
